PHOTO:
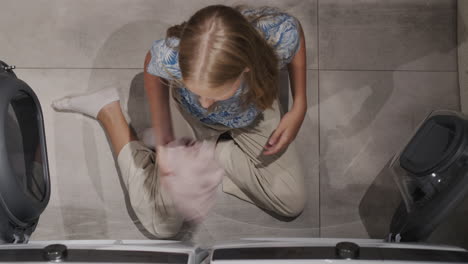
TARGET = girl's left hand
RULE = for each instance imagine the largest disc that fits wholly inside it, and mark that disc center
(286, 132)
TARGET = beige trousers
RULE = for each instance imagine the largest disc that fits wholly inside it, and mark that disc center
(275, 183)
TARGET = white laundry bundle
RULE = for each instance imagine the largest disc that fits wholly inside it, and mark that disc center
(192, 177)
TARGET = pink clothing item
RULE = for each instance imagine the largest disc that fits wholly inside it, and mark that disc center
(193, 176)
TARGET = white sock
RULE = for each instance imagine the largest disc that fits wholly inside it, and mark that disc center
(88, 104)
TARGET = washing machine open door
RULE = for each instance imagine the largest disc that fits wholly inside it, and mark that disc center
(24, 173)
(431, 172)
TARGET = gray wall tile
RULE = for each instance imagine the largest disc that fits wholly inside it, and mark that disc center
(388, 35)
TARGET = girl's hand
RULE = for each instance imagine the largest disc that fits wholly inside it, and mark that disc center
(286, 132)
(162, 157)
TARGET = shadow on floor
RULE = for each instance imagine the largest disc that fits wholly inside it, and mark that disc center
(379, 203)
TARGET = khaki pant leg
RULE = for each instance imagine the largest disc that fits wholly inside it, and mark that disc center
(273, 182)
(151, 203)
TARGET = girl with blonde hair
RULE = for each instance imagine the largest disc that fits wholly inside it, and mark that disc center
(221, 67)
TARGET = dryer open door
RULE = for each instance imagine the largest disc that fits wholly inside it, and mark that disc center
(431, 172)
(24, 172)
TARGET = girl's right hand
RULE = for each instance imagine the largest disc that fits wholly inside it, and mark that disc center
(193, 177)
(162, 158)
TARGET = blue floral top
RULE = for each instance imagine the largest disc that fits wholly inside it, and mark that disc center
(281, 31)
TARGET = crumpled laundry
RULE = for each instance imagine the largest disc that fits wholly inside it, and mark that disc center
(191, 176)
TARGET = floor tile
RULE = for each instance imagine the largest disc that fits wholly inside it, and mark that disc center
(88, 200)
(99, 34)
(218, 228)
(233, 218)
(365, 117)
(388, 35)
(366, 109)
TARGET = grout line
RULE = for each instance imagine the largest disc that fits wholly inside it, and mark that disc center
(73, 68)
(318, 125)
(311, 69)
(373, 70)
(457, 36)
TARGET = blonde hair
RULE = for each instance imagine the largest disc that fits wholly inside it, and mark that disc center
(218, 43)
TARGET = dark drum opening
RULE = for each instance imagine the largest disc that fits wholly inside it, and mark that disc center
(23, 145)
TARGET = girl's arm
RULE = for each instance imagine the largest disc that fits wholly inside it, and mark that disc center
(291, 122)
(297, 74)
(157, 91)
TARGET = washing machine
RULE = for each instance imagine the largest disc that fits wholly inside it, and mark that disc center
(328, 250)
(430, 172)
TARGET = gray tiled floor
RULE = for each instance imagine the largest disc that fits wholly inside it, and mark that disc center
(388, 35)
(87, 199)
(103, 34)
(375, 69)
(364, 118)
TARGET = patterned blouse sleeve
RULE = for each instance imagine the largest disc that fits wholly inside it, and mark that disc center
(286, 37)
(164, 59)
